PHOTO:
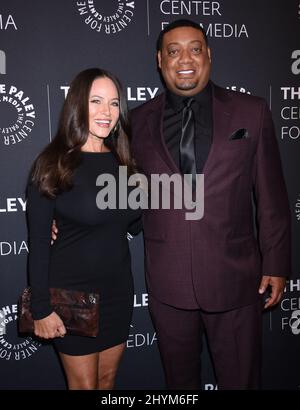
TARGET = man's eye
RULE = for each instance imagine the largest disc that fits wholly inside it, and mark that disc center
(172, 52)
(196, 50)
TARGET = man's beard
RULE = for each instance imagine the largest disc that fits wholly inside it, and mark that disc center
(186, 85)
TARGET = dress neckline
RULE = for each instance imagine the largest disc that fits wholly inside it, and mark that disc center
(96, 153)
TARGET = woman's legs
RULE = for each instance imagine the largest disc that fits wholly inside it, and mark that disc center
(81, 371)
(93, 371)
(108, 364)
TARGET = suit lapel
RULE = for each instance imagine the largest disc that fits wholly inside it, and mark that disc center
(155, 124)
(222, 115)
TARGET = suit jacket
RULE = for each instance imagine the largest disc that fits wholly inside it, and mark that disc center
(217, 262)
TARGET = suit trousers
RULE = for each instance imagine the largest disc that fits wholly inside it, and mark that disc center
(234, 338)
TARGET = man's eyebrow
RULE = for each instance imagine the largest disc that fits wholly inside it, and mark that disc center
(192, 41)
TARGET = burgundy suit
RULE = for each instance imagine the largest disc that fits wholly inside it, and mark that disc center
(216, 263)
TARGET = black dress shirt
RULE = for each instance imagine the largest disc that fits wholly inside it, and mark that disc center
(172, 125)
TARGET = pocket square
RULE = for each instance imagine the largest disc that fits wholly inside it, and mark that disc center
(239, 134)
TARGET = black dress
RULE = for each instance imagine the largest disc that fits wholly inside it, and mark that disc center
(91, 253)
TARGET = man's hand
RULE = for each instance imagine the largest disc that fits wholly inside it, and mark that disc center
(54, 232)
(277, 284)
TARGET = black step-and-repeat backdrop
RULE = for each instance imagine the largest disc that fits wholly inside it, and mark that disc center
(43, 44)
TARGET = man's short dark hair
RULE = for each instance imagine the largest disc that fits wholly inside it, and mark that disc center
(176, 24)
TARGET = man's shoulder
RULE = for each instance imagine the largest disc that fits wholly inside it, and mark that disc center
(151, 105)
(237, 96)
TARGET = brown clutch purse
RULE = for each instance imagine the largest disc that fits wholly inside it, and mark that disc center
(78, 310)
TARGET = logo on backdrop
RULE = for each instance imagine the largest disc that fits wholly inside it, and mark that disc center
(295, 67)
(297, 209)
(290, 111)
(140, 300)
(141, 93)
(140, 339)
(203, 9)
(290, 307)
(133, 93)
(295, 322)
(18, 115)
(10, 350)
(13, 248)
(210, 386)
(2, 62)
(108, 17)
(12, 205)
(7, 22)
(240, 89)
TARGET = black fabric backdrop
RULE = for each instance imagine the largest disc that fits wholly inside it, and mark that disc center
(43, 44)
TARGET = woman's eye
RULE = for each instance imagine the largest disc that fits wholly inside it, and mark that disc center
(115, 104)
(95, 101)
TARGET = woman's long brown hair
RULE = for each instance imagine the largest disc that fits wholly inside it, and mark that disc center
(54, 167)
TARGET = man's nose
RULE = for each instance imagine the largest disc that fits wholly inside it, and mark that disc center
(185, 56)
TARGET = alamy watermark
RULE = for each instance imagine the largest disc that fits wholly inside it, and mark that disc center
(295, 322)
(160, 191)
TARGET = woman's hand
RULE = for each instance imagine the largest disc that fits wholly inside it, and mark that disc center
(49, 327)
(54, 232)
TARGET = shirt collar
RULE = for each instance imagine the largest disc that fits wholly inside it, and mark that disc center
(177, 101)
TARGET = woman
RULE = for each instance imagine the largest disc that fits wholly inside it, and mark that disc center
(91, 252)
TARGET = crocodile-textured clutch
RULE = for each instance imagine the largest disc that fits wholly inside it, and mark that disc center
(78, 310)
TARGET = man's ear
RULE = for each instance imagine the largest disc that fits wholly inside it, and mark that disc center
(159, 59)
(209, 54)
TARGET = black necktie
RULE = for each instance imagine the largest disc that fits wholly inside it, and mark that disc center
(186, 147)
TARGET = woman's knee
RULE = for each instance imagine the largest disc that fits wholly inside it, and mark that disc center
(109, 360)
(107, 379)
(82, 384)
(81, 371)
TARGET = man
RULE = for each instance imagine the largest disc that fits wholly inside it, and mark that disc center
(209, 276)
